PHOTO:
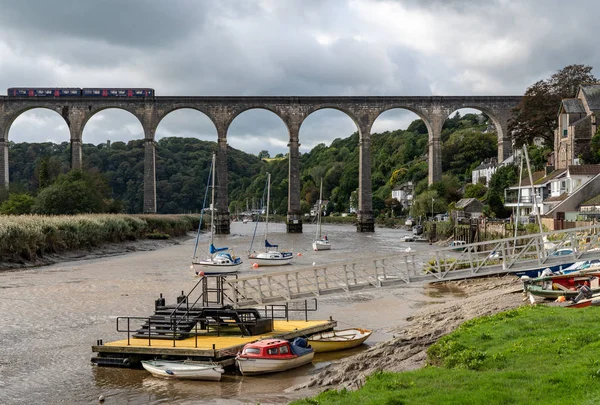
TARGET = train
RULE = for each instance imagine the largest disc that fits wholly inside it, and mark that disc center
(78, 92)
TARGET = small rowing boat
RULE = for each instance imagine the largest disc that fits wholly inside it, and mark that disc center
(185, 370)
(273, 355)
(338, 339)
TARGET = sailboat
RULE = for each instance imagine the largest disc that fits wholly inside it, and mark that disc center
(271, 256)
(320, 243)
(219, 260)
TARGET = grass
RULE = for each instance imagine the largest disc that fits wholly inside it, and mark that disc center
(531, 355)
(28, 237)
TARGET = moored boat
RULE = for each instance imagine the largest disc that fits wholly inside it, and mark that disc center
(338, 339)
(220, 260)
(273, 355)
(320, 242)
(185, 370)
(566, 285)
(271, 256)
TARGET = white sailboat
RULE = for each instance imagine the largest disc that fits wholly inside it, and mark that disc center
(320, 242)
(271, 256)
(219, 260)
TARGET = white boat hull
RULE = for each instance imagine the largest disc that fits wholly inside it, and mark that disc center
(271, 258)
(263, 366)
(183, 371)
(208, 267)
(321, 245)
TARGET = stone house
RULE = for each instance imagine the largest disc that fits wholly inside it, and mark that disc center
(577, 119)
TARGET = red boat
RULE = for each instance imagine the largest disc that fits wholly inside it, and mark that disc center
(274, 355)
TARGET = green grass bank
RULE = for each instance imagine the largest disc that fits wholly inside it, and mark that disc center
(28, 237)
(530, 355)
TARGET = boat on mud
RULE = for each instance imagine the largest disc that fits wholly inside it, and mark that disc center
(273, 355)
(338, 339)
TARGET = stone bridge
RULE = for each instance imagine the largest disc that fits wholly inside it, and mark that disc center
(77, 111)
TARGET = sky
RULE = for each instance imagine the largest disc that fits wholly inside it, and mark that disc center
(282, 47)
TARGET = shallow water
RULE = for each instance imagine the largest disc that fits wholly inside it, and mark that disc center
(51, 316)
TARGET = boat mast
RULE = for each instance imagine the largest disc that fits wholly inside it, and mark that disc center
(268, 198)
(319, 211)
(212, 202)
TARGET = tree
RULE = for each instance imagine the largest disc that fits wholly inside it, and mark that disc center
(264, 154)
(475, 190)
(17, 204)
(76, 192)
(536, 114)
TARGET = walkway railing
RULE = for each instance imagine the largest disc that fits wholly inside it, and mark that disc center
(558, 248)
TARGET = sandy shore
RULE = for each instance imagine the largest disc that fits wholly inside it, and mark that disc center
(407, 350)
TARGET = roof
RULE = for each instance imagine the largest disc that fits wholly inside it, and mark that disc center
(591, 92)
(584, 169)
(539, 179)
(556, 198)
(592, 201)
(485, 165)
(464, 202)
(573, 105)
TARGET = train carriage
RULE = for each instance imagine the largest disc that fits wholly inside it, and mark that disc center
(44, 92)
(77, 92)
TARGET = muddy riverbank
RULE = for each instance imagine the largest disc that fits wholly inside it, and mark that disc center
(406, 350)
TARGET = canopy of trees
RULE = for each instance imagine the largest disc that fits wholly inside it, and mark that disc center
(536, 116)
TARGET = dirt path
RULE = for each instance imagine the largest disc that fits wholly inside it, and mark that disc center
(407, 350)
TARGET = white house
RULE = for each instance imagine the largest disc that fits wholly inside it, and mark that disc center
(485, 170)
(404, 193)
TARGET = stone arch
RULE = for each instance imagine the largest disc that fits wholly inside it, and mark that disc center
(420, 114)
(269, 108)
(163, 114)
(345, 111)
(499, 117)
(10, 119)
(92, 112)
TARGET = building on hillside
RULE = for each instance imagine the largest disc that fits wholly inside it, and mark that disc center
(577, 119)
(525, 199)
(590, 209)
(468, 208)
(484, 171)
(404, 194)
(315, 209)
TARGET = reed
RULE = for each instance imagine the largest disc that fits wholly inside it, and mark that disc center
(28, 237)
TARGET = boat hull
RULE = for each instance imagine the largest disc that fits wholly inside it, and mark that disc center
(533, 273)
(183, 371)
(266, 259)
(321, 245)
(209, 268)
(338, 340)
(253, 366)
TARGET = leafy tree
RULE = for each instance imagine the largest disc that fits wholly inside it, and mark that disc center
(475, 191)
(17, 204)
(264, 154)
(536, 114)
(76, 192)
(505, 176)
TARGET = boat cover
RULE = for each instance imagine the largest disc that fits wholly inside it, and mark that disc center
(268, 245)
(300, 346)
(213, 249)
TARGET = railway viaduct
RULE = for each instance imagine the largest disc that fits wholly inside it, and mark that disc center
(76, 111)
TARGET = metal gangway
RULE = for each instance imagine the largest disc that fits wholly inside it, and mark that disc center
(496, 257)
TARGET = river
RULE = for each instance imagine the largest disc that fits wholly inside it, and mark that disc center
(52, 315)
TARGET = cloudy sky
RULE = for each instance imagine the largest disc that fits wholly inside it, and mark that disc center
(282, 47)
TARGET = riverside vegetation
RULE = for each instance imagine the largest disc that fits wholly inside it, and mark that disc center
(30, 237)
(528, 355)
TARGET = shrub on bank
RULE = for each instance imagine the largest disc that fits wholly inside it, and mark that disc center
(28, 237)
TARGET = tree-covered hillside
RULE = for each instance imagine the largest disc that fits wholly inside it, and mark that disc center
(182, 166)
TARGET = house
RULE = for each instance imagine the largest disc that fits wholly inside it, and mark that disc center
(484, 171)
(404, 193)
(577, 119)
(526, 199)
(590, 209)
(315, 209)
(468, 208)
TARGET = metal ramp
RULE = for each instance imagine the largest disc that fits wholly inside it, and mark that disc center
(502, 256)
